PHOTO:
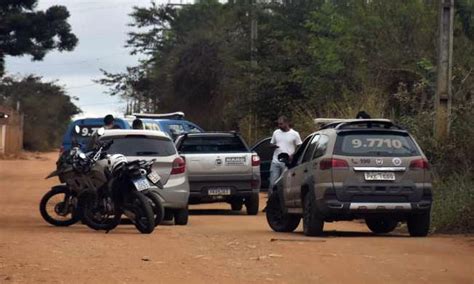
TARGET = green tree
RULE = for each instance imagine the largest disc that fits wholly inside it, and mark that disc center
(196, 54)
(46, 108)
(25, 31)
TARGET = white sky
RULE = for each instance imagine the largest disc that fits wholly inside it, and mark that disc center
(101, 27)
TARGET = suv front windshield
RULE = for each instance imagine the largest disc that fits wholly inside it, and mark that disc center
(371, 144)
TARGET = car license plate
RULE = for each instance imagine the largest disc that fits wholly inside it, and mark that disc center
(154, 177)
(235, 161)
(141, 183)
(379, 176)
(219, 191)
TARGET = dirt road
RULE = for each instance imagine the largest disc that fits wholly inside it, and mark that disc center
(217, 246)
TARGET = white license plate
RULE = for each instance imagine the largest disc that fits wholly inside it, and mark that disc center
(141, 184)
(235, 161)
(379, 176)
(154, 177)
(219, 191)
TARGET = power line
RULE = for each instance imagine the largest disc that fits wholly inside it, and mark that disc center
(82, 86)
(114, 6)
(73, 62)
(97, 104)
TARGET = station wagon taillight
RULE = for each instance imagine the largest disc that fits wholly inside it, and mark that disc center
(419, 164)
(329, 163)
(255, 161)
(179, 166)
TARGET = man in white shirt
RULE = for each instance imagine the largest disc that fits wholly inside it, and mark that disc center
(285, 140)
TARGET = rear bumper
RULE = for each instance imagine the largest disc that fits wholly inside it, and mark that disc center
(175, 196)
(241, 186)
(353, 205)
(202, 196)
(335, 206)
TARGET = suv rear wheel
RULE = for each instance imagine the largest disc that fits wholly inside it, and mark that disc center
(419, 224)
(313, 224)
(277, 219)
(381, 225)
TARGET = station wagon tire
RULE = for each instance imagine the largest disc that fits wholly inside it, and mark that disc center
(381, 225)
(181, 216)
(169, 215)
(419, 224)
(251, 203)
(75, 215)
(236, 205)
(158, 209)
(313, 224)
(277, 219)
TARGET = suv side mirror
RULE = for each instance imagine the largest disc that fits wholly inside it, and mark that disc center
(284, 158)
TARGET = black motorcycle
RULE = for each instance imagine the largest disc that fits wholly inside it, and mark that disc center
(130, 190)
(80, 175)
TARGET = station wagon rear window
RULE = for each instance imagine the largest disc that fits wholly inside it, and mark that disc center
(141, 146)
(372, 144)
(192, 145)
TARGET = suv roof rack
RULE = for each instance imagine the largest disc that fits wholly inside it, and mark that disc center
(347, 123)
(230, 132)
(171, 115)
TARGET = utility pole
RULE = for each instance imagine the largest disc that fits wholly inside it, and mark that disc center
(444, 70)
(253, 65)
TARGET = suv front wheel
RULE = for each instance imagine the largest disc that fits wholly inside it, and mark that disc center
(313, 224)
(277, 219)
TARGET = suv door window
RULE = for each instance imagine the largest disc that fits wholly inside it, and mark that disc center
(193, 129)
(308, 154)
(299, 152)
(176, 129)
(322, 146)
(265, 150)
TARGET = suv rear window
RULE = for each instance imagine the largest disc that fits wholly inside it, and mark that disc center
(212, 145)
(141, 146)
(372, 144)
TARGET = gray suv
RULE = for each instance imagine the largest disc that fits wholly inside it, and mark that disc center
(366, 169)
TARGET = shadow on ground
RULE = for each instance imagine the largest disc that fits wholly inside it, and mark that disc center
(225, 212)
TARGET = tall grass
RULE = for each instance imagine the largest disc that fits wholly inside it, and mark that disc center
(453, 206)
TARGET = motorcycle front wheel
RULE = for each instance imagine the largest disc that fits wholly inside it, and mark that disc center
(101, 213)
(59, 207)
(143, 211)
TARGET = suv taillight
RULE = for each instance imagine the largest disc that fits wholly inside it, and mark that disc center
(327, 164)
(419, 164)
(179, 166)
(255, 160)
